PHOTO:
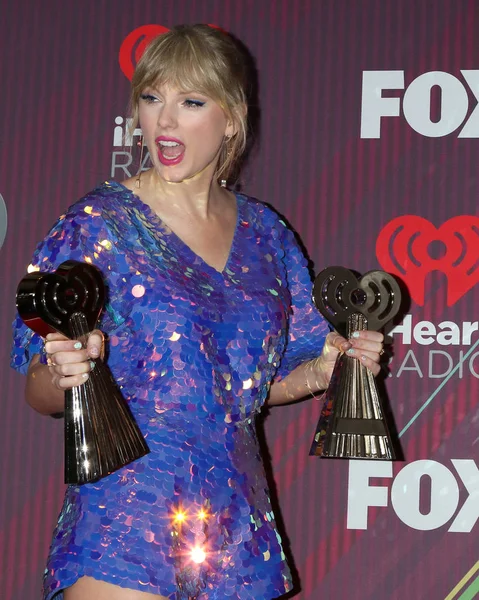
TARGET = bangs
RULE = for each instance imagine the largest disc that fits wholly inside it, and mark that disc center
(181, 64)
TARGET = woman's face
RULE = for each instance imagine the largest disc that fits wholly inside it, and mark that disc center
(183, 131)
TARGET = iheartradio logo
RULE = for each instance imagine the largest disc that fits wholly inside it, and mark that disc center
(135, 43)
(412, 247)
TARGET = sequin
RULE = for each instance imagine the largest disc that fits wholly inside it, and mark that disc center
(106, 244)
(138, 291)
(194, 355)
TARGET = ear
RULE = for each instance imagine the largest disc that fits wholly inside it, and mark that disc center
(239, 112)
(230, 129)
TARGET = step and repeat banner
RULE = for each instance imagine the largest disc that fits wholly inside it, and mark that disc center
(368, 143)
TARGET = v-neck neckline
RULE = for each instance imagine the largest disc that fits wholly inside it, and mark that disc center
(157, 221)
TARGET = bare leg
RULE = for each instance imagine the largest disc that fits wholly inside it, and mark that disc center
(87, 588)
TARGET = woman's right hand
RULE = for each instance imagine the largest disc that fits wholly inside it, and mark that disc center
(68, 362)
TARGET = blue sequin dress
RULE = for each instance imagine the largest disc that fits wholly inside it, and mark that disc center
(194, 352)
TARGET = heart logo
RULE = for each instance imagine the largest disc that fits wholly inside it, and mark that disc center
(47, 301)
(135, 43)
(412, 247)
(338, 294)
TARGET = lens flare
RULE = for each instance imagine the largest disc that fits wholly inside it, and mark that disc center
(198, 555)
(179, 517)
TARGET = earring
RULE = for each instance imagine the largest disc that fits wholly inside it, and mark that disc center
(138, 175)
(229, 151)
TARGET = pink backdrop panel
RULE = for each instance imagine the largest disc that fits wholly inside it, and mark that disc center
(369, 146)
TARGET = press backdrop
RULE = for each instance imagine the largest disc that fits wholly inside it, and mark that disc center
(369, 146)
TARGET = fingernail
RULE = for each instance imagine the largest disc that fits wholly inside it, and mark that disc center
(92, 365)
(94, 352)
(355, 334)
(350, 351)
(77, 345)
(363, 358)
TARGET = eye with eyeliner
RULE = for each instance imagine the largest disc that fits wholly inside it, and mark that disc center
(190, 103)
(148, 98)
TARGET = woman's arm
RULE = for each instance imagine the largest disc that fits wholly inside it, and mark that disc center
(70, 365)
(40, 393)
(314, 375)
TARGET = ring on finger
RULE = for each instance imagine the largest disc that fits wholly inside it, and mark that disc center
(50, 361)
(381, 352)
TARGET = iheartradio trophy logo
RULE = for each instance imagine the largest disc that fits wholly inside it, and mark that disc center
(409, 246)
(135, 43)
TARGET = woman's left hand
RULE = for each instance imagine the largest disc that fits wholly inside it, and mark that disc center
(366, 346)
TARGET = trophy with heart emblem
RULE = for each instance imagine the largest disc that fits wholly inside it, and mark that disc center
(352, 423)
(101, 435)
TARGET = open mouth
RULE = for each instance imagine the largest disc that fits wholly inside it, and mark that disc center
(170, 150)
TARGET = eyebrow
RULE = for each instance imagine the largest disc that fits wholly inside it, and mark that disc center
(188, 92)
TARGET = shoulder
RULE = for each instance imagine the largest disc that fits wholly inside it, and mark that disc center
(262, 213)
(98, 216)
(107, 197)
(270, 222)
(285, 241)
(105, 208)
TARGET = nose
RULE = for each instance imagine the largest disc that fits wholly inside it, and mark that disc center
(167, 116)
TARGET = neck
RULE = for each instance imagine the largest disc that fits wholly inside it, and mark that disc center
(196, 197)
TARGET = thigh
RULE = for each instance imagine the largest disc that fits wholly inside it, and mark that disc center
(87, 588)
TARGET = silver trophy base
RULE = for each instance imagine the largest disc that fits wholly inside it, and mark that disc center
(352, 423)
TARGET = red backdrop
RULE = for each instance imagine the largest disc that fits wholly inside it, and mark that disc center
(369, 146)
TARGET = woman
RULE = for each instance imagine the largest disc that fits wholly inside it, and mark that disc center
(209, 316)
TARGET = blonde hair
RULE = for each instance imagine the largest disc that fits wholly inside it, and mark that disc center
(203, 59)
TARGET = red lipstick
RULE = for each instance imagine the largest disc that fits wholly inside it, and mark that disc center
(170, 150)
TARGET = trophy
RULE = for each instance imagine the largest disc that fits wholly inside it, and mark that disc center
(352, 424)
(100, 433)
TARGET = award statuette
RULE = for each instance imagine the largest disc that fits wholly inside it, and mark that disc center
(100, 433)
(352, 424)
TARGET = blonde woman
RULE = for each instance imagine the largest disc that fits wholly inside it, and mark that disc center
(209, 317)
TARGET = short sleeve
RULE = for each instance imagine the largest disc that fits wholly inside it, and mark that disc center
(307, 329)
(80, 235)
